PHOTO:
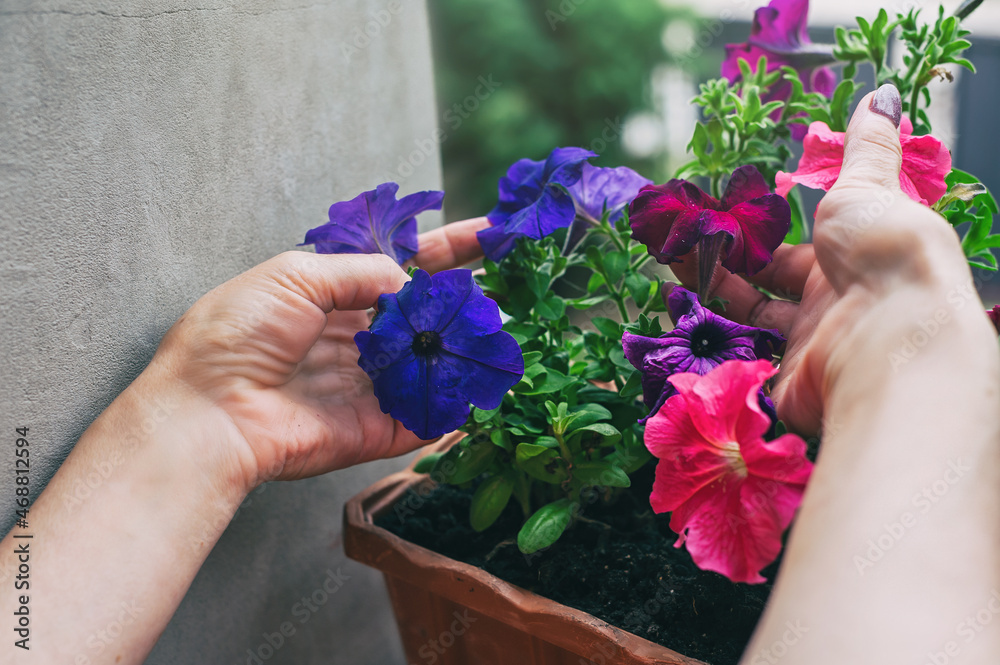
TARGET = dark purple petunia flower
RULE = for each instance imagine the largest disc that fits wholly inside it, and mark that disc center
(746, 226)
(436, 346)
(600, 189)
(779, 33)
(533, 201)
(374, 222)
(700, 341)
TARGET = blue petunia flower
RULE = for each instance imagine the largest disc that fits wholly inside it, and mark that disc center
(533, 201)
(600, 189)
(436, 346)
(374, 222)
(699, 342)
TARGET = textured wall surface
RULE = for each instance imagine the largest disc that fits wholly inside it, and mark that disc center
(150, 150)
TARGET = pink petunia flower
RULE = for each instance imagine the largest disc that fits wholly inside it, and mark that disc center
(926, 162)
(731, 493)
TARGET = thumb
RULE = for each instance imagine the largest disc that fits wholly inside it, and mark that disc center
(872, 153)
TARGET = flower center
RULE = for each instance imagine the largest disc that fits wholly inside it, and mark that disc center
(426, 343)
(706, 341)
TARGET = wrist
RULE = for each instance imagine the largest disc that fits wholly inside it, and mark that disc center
(162, 417)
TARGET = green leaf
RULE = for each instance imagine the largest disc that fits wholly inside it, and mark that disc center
(426, 463)
(608, 327)
(540, 463)
(551, 308)
(463, 463)
(632, 387)
(638, 287)
(615, 264)
(488, 502)
(585, 415)
(797, 232)
(602, 474)
(481, 416)
(532, 357)
(600, 434)
(546, 526)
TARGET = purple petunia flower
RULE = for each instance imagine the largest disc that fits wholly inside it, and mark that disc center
(436, 346)
(374, 222)
(746, 226)
(700, 341)
(533, 201)
(780, 33)
(600, 189)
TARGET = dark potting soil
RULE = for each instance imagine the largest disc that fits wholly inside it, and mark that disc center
(621, 566)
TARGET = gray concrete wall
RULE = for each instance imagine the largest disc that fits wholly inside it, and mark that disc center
(150, 150)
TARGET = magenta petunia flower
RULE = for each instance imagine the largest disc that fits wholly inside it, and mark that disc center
(780, 33)
(748, 223)
(700, 342)
(731, 493)
(994, 315)
(926, 162)
(374, 222)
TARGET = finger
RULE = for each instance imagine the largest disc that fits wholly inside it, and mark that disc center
(335, 281)
(785, 275)
(872, 152)
(451, 245)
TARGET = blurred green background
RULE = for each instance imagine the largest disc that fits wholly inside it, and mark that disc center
(516, 78)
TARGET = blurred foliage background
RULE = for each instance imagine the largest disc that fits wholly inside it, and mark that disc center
(516, 78)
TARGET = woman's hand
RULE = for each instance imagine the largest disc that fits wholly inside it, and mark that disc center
(880, 262)
(273, 352)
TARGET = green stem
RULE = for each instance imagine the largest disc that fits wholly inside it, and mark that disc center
(717, 185)
(563, 448)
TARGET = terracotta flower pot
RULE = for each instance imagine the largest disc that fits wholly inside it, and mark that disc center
(452, 613)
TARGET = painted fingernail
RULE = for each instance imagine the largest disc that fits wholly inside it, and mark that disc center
(887, 102)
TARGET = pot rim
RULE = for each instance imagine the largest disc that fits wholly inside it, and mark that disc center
(460, 582)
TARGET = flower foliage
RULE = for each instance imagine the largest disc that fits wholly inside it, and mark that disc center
(926, 163)
(671, 219)
(436, 346)
(374, 222)
(731, 494)
(699, 342)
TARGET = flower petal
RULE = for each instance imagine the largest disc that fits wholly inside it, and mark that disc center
(374, 222)
(724, 404)
(603, 188)
(781, 24)
(763, 223)
(745, 184)
(728, 529)
(687, 463)
(926, 162)
(492, 364)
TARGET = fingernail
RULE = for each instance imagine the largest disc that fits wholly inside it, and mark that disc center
(888, 103)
